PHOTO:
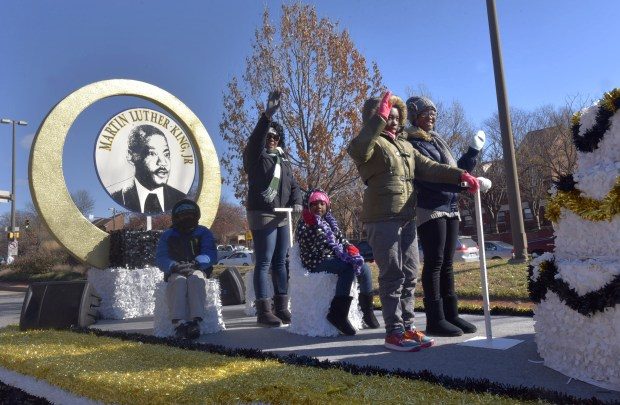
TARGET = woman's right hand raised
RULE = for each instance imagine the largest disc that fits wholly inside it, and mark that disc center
(273, 103)
(385, 106)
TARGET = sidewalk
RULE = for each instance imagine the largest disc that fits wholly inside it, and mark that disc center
(517, 366)
(13, 286)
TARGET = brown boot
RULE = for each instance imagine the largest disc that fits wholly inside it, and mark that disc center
(264, 316)
(280, 303)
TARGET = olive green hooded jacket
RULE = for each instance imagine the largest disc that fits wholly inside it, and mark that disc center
(388, 166)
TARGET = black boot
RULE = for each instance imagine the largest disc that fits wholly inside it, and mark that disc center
(338, 314)
(451, 310)
(264, 316)
(193, 330)
(436, 324)
(280, 302)
(367, 307)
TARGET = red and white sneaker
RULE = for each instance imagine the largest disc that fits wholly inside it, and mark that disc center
(419, 337)
(397, 341)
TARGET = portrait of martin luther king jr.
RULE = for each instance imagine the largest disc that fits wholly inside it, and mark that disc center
(148, 152)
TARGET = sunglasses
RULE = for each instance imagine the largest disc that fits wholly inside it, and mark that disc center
(428, 114)
(275, 137)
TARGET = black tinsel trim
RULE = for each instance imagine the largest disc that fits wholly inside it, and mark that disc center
(590, 140)
(133, 249)
(479, 385)
(566, 183)
(13, 395)
(587, 304)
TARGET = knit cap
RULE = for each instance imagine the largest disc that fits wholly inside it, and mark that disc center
(418, 104)
(318, 196)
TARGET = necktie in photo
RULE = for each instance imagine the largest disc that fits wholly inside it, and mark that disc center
(152, 205)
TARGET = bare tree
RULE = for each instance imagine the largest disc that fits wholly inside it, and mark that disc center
(84, 201)
(324, 80)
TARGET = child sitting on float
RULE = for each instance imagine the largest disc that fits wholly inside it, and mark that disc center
(323, 248)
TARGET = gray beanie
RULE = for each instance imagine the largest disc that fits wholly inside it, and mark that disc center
(416, 105)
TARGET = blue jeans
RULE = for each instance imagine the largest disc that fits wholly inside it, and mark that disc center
(270, 248)
(345, 274)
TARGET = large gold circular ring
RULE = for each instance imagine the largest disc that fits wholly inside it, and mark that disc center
(47, 182)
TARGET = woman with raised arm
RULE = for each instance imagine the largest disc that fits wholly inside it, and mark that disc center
(270, 185)
(387, 164)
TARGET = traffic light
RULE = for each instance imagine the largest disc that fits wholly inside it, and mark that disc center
(13, 235)
(27, 223)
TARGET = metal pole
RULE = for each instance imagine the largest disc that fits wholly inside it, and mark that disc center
(519, 239)
(289, 216)
(483, 267)
(13, 183)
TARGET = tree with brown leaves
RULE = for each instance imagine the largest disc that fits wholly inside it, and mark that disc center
(324, 80)
(229, 221)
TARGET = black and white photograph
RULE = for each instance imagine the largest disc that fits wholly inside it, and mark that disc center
(144, 160)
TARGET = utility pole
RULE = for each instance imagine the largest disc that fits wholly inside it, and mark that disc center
(113, 218)
(13, 194)
(519, 239)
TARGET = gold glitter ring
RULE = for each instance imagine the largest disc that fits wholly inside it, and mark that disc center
(47, 183)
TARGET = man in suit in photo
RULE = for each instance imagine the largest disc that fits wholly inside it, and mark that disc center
(148, 152)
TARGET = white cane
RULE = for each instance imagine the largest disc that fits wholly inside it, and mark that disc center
(289, 216)
(479, 341)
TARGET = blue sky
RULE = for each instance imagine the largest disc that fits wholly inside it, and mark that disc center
(551, 49)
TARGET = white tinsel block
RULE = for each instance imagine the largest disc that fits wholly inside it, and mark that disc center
(579, 238)
(597, 181)
(212, 321)
(586, 348)
(310, 297)
(125, 293)
(250, 295)
(587, 275)
(608, 150)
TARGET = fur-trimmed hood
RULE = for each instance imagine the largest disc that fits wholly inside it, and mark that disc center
(372, 104)
(414, 132)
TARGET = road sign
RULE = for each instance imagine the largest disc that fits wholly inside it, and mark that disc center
(13, 248)
(248, 235)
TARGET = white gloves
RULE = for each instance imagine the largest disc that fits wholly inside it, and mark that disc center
(273, 103)
(485, 184)
(477, 142)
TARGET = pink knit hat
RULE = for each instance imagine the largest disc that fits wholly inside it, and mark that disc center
(318, 196)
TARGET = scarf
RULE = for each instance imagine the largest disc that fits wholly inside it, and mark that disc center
(444, 149)
(274, 185)
(329, 226)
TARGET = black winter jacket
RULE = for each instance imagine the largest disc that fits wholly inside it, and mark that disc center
(259, 167)
(438, 196)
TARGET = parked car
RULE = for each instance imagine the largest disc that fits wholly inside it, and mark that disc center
(244, 258)
(496, 249)
(536, 247)
(223, 251)
(466, 250)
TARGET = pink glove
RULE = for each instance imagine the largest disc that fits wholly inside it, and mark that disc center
(385, 106)
(472, 181)
(352, 250)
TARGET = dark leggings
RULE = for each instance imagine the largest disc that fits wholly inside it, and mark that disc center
(438, 239)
